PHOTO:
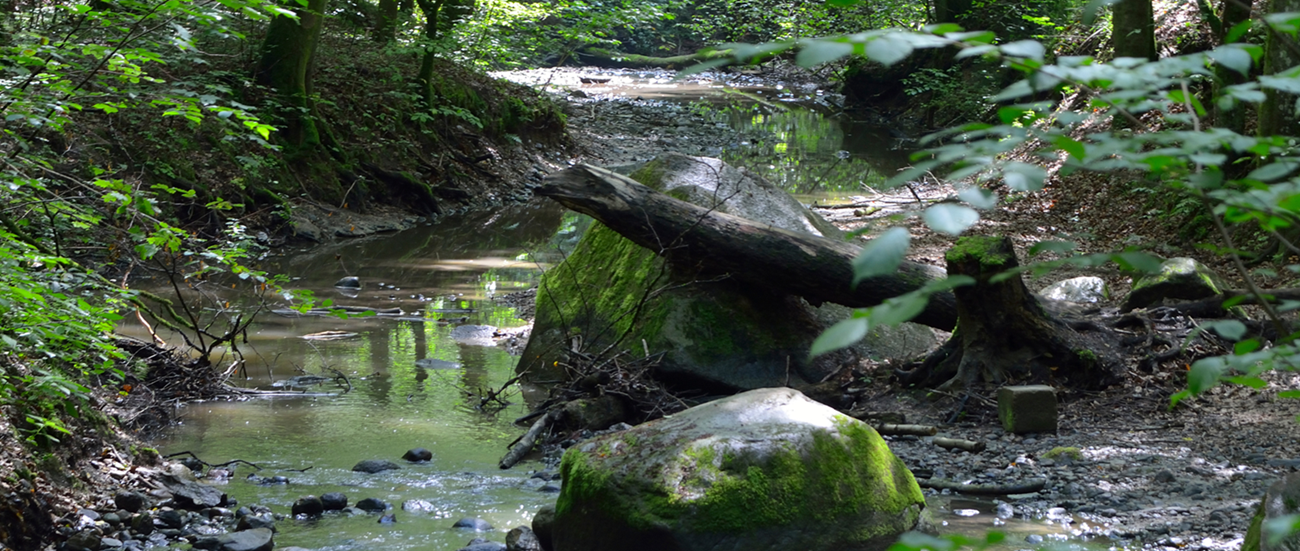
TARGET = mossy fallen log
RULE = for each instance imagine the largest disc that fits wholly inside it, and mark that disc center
(601, 57)
(784, 262)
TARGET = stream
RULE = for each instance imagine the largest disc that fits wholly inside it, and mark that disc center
(447, 275)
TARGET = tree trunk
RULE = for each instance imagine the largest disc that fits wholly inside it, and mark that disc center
(285, 66)
(1234, 12)
(816, 268)
(1133, 30)
(600, 57)
(386, 26)
(1005, 333)
(439, 17)
(1277, 114)
(951, 11)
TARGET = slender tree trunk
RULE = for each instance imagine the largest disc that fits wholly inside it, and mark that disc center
(951, 11)
(1133, 33)
(1233, 13)
(1277, 115)
(386, 29)
(439, 17)
(285, 66)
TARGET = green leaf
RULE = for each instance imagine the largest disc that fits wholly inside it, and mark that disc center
(1233, 57)
(1289, 394)
(1239, 30)
(1246, 347)
(844, 334)
(843, 3)
(882, 255)
(888, 49)
(1024, 176)
(1060, 247)
(1137, 261)
(1030, 49)
(1232, 330)
(949, 218)
(979, 198)
(817, 52)
(1204, 374)
(1272, 171)
(1252, 382)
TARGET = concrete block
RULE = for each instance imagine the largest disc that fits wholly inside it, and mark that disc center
(1029, 408)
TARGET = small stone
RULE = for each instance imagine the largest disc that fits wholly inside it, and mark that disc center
(142, 524)
(1030, 408)
(110, 543)
(349, 282)
(334, 501)
(112, 518)
(390, 518)
(372, 466)
(256, 520)
(85, 540)
(549, 489)
(475, 524)
(417, 454)
(131, 501)
(171, 518)
(1165, 476)
(417, 506)
(522, 538)
(308, 505)
(372, 504)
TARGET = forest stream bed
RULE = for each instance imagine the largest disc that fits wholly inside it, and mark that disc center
(1128, 473)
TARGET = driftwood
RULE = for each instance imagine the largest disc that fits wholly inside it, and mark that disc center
(816, 268)
(890, 429)
(959, 444)
(526, 442)
(1026, 487)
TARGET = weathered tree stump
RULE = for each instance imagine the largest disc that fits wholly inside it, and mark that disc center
(1004, 332)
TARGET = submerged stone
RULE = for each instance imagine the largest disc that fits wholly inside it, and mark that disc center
(372, 466)
(767, 469)
(475, 524)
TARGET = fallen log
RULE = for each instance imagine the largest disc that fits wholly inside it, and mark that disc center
(525, 444)
(958, 444)
(815, 268)
(1026, 487)
(890, 429)
(601, 57)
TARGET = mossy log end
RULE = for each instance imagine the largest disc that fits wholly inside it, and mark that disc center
(784, 262)
(1007, 333)
(600, 57)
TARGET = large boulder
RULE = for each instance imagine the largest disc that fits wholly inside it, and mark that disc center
(712, 331)
(1281, 499)
(767, 469)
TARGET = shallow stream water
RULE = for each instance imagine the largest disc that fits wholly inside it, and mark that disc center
(441, 276)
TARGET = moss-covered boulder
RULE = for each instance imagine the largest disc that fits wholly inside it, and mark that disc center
(1178, 279)
(767, 469)
(713, 331)
(1281, 499)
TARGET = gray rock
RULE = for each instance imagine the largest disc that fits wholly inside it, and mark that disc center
(390, 518)
(309, 505)
(372, 504)
(171, 518)
(334, 501)
(550, 489)
(1178, 279)
(522, 538)
(110, 543)
(717, 333)
(85, 540)
(767, 469)
(187, 491)
(544, 525)
(256, 520)
(1085, 289)
(142, 524)
(475, 524)
(417, 454)
(1030, 408)
(372, 466)
(112, 518)
(257, 539)
(1165, 476)
(349, 282)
